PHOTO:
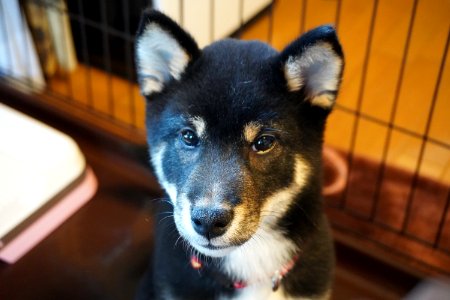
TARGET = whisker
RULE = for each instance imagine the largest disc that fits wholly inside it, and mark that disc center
(165, 212)
(165, 200)
(176, 242)
(165, 218)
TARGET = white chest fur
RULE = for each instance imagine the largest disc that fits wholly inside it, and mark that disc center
(266, 293)
(260, 291)
(256, 261)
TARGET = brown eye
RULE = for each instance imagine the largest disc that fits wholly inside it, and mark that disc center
(263, 144)
(189, 137)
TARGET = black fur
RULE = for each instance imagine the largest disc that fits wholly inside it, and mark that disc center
(321, 34)
(229, 84)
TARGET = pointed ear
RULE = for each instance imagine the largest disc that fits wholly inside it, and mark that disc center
(163, 51)
(314, 63)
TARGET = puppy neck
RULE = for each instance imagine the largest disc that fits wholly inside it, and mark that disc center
(257, 260)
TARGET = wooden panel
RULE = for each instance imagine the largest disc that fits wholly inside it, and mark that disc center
(420, 225)
(354, 32)
(286, 22)
(369, 141)
(339, 125)
(440, 126)
(424, 58)
(389, 38)
(389, 246)
(402, 153)
(320, 12)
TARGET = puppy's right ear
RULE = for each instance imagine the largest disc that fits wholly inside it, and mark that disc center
(163, 51)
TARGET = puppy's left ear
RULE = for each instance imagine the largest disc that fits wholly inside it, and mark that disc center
(163, 51)
(314, 63)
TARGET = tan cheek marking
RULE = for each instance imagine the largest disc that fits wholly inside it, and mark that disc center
(246, 216)
(279, 202)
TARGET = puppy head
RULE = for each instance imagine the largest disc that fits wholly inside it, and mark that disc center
(235, 130)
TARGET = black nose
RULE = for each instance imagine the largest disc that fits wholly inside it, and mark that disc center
(211, 222)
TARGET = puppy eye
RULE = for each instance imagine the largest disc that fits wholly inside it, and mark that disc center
(189, 137)
(263, 144)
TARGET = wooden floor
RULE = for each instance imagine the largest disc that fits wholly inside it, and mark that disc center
(370, 86)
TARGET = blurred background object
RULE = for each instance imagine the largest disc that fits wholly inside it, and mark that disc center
(44, 179)
(431, 289)
(18, 57)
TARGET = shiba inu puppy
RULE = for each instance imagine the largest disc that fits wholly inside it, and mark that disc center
(235, 133)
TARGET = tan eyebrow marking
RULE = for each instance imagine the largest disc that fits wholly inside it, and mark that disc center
(199, 124)
(251, 130)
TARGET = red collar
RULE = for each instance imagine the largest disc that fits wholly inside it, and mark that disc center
(276, 278)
